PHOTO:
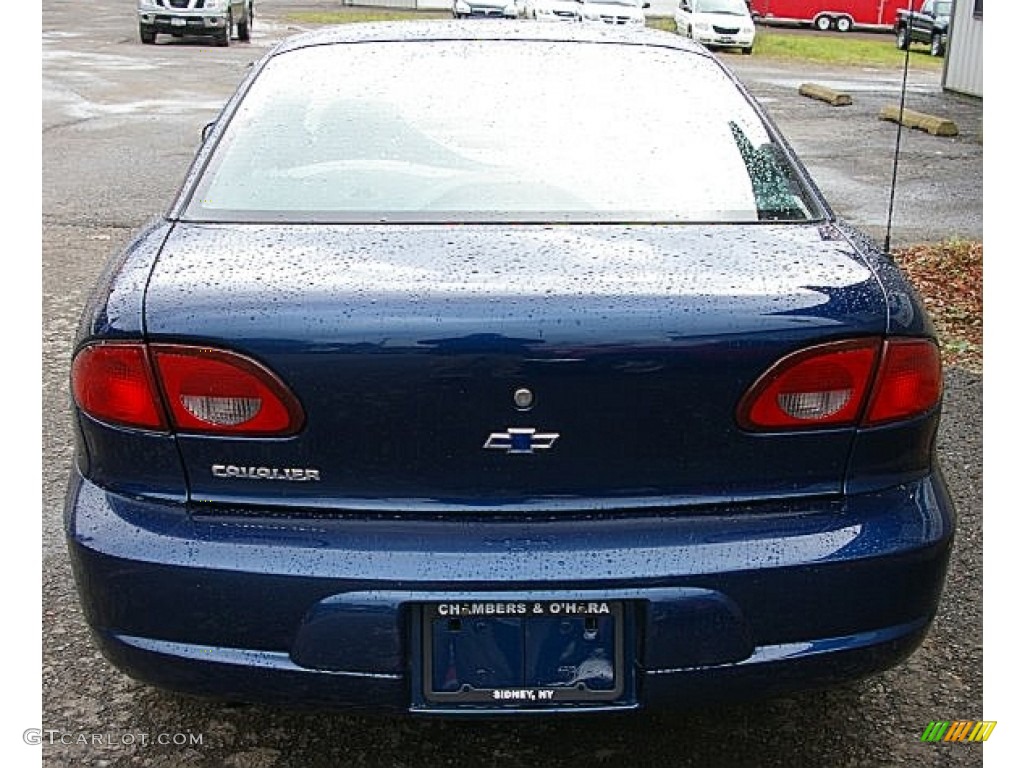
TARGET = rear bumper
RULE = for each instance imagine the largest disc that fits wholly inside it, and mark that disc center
(322, 611)
(273, 677)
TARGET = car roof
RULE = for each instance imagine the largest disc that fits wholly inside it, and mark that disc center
(485, 29)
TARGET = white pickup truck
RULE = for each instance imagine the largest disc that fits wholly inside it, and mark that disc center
(195, 18)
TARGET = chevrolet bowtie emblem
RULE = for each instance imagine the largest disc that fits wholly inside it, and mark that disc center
(521, 440)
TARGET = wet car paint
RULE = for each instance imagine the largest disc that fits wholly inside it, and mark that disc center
(236, 537)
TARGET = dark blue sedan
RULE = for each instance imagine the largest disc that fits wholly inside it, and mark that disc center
(500, 368)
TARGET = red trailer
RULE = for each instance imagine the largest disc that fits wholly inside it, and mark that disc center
(842, 15)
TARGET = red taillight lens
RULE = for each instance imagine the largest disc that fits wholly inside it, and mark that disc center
(909, 381)
(201, 389)
(114, 383)
(820, 386)
(861, 381)
(214, 391)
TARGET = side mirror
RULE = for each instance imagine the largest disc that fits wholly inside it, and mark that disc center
(646, 5)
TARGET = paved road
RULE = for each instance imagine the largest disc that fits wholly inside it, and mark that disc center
(120, 123)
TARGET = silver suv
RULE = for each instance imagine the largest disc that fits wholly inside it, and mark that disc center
(207, 18)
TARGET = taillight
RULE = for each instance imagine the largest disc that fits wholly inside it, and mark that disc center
(201, 389)
(860, 381)
(909, 381)
(114, 383)
(820, 386)
(210, 390)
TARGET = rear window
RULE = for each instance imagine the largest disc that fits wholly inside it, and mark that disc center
(495, 131)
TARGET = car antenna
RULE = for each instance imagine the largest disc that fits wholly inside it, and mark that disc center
(899, 133)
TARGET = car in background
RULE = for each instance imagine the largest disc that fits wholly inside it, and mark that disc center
(619, 12)
(553, 10)
(928, 25)
(196, 18)
(572, 396)
(716, 23)
(501, 9)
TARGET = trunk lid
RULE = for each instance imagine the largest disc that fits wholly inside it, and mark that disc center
(405, 346)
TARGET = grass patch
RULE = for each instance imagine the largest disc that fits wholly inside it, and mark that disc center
(826, 49)
(664, 23)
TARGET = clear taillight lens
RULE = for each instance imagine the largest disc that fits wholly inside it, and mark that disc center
(812, 406)
(225, 411)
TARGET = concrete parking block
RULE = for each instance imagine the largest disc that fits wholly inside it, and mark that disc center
(936, 126)
(828, 95)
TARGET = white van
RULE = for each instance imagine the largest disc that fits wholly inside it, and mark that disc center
(716, 23)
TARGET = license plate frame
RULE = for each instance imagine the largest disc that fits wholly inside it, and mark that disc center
(596, 627)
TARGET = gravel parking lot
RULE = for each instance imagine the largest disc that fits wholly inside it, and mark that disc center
(120, 124)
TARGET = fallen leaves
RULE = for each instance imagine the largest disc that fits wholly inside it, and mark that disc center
(948, 276)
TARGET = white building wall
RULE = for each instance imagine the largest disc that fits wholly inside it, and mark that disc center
(963, 67)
